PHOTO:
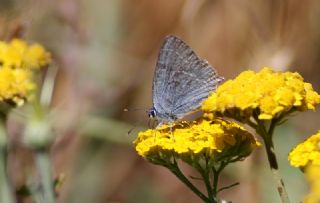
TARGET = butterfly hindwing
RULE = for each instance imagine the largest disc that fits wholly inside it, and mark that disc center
(182, 80)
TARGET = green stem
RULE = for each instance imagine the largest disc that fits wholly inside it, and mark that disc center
(229, 186)
(216, 174)
(44, 167)
(275, 171)
(272, 127)
(267, 139)
(5, 189)
(6, 194)
(215, 182)
(206, 178)
(178, 173)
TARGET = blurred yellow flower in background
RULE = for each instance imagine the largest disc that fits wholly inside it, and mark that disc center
(15, 85)
(306, 153)
(18, 54)
(266, 93)
(36, 56)
(313, 177)
(212, 139)
(18, 60)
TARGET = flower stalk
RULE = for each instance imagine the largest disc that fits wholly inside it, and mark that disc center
(267, 135)
(46, 184)
(6, 194)
(216, 173)
(38, 136)
(205, 172)
(5, 189)
(174, 168)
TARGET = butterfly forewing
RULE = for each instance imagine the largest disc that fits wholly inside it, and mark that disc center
(181, 81)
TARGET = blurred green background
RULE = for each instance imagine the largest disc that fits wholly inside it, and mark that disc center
(106, 52)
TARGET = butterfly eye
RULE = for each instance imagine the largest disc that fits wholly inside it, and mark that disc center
(152, 113)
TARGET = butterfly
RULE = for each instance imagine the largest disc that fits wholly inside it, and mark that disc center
(181, 81)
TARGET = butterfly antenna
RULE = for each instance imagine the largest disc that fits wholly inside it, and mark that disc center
(134, 126)
(135, 109)
(131, 129)
(138, 123)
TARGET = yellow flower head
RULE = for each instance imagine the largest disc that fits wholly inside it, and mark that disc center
(215, 139)
(17, 62)
(15, 85)
(266, 93)
(18, 54)
(36, 56)
(313, 177)
(306, 153)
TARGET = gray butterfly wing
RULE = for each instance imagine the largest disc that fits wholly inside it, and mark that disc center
(182, 80)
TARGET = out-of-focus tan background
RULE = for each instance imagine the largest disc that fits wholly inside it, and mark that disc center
(106, 52)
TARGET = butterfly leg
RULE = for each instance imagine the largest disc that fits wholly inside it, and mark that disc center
(155, 125)
(171, 131)
(155, 135)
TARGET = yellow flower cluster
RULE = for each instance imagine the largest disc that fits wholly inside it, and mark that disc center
(313, 177)
(306, 153)
(15, 85)
(18, 60)
(266, 93)
(18, 54)
(307, 156)
(214, 139)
